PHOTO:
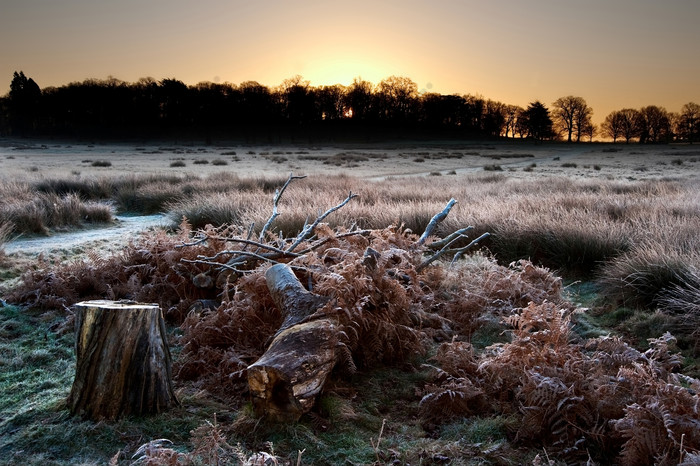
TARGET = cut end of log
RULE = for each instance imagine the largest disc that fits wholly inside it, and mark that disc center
(285, 381)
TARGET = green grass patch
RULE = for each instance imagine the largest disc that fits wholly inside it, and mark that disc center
(37, 366)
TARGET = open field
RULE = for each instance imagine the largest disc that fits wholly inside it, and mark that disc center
(466, 361)
(22, 160)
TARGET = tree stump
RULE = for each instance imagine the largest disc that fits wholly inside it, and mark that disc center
(286, 379)
(123, 364)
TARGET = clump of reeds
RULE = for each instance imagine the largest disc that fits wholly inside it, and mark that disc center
(38, 213)
(6, 229)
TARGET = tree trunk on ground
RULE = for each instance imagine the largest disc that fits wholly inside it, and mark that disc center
(123, 364)
(285, 381)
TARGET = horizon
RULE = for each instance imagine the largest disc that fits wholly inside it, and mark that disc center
(626, 54)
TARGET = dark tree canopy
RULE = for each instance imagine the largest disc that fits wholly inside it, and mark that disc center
(297, 111)
(538, 122)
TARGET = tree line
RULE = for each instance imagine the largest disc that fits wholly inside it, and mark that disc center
(297, 110)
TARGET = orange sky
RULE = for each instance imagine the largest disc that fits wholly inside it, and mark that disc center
(613, 53)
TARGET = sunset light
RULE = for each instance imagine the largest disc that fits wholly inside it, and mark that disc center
(627, 53)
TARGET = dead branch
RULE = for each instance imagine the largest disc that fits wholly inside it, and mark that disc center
(308, 229)
(275, 202)
(437, 218)
(447, 250)
(450, 238)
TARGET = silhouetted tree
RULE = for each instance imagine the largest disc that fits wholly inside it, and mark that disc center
(359, 99)
(397, 99)
(23, 102)
(493, 119)
(571, 115)
(654, 124)
(689, 122)
(613, 126)
(629, 119)
(539, 123)
(589, 130)
(297, 100)
(330, 102)
(442, 111)
(511, 114)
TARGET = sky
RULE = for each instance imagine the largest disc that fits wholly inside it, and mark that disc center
(613, 53)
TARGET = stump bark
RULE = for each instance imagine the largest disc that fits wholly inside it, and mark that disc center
(286, 379)
(123, 364)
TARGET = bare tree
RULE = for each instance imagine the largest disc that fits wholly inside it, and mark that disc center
(613, 126)
(629, 119)
(571, 114)
(583, 124)
(589, 130)
(689, 122)
(398, 98)
(654, 124)
(359, 99)
(511, 114)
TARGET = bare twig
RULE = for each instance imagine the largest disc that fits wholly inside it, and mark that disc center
(325, 240)
(275, 202)
(248, 242)
(447, 250)
(462, 250)
(308, 229)
(450, 238)
(437, 218)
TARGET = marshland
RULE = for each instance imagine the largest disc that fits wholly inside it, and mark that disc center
(568, 334)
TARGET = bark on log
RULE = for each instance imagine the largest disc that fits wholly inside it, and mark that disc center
(285, 381)
(123, 364)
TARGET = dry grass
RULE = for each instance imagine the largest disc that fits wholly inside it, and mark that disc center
(599, 397)
(39, 212)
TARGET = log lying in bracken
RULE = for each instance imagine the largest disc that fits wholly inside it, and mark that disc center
(285, 381)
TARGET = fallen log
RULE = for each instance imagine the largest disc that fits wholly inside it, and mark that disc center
(286, 379)
(123, 364)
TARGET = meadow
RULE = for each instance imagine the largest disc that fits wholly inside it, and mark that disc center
(577, 316)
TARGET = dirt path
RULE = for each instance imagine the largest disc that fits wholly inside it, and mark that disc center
(107, 236)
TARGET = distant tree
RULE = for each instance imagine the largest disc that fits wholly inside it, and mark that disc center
(583, 123)
(494, 118)
(688, 127)
(630, 122)
(444, 111)
(589, 130)
(359, 99)
(654, 124)
(521, 123)
(255, 103)
(571, 115)
(539, 123)
(297, 100)
(511, 119)
(330, 102)
(613, 126)
(23, 102)
(397, 98)
(174, 102)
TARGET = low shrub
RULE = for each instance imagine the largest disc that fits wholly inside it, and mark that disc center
(101, 163)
